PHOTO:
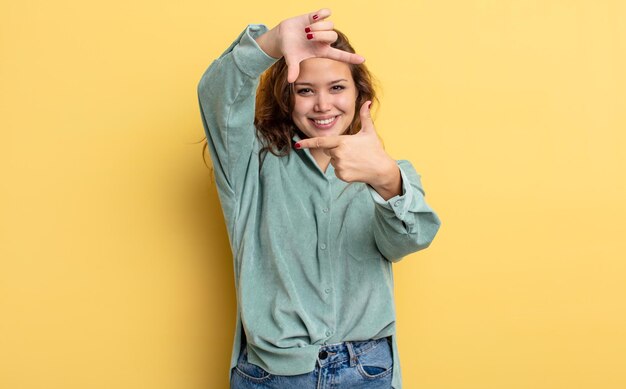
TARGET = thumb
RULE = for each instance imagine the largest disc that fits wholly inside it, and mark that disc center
(367, 124)
(293, 70)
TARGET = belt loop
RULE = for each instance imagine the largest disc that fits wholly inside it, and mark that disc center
(353, 359)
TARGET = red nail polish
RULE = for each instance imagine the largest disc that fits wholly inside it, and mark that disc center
(307, 29)
(297, 145)
(315, 17)
(309, 36)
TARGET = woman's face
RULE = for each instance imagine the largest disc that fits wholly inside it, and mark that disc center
(325, 97)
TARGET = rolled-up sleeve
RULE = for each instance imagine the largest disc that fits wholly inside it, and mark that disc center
(405, 223)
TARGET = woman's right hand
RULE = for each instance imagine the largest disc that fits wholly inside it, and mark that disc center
(302, 37)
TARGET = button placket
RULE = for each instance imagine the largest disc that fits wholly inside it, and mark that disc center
(325, 252)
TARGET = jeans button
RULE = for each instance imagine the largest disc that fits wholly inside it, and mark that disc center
(323, 354)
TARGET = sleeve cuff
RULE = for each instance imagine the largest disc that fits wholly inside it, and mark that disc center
(249, 57)
(398, 204)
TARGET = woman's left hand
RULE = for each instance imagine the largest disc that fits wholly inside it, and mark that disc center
(360, 157)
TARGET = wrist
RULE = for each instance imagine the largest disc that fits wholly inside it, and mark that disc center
(268, 42)
(388, 182)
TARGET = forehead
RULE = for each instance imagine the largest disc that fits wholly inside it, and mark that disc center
(323, 71)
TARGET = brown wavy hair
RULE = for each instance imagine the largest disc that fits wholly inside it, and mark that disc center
(275, 101)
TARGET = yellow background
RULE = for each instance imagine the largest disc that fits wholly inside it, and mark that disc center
(115, 268)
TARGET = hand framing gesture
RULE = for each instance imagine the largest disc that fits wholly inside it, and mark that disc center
(302, 37)
(360, 157)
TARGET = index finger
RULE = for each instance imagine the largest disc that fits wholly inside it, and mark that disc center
(321, 142)
(319, 15)
(344, 56)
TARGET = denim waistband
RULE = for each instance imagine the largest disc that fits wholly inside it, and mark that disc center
(347, 351)
(339, 352)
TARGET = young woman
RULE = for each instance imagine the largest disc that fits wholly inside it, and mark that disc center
(316, 210)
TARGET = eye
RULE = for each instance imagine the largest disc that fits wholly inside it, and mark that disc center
(337, 88)
(304, 91)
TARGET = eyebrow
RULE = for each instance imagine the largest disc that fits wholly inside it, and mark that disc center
(330, 83)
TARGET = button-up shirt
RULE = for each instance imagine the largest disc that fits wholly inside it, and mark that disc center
(312, 254)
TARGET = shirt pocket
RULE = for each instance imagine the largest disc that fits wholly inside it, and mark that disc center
(358, 234)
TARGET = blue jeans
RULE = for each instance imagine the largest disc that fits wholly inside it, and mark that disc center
(366, 365)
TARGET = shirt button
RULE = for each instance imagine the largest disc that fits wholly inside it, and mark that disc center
(327, 290)
(328, 333)
(323, 246)
(397, 203)
(325, 210)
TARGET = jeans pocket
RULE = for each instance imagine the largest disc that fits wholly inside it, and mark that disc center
(376, 362)
(251, 371)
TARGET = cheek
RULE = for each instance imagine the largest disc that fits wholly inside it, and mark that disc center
(348, 101)
(300, 107)
(349, 105)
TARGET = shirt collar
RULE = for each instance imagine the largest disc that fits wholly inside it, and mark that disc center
(330, 171)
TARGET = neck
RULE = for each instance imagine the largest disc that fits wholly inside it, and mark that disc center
(321, 158)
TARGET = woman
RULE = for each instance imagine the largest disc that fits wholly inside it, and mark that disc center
(316, 210)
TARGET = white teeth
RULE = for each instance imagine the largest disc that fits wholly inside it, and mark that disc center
(325, 121)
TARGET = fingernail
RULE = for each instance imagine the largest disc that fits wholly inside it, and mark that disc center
(307, 29)
(298, 146)
(309, 36)
(315, 17)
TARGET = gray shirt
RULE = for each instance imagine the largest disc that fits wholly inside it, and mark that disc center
(312, 254)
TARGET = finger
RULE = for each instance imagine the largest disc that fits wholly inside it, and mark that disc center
(344, 56)
(323, 142)
(325, 25)
(319, 15)
(293, 70)
(366, 116)
(367, 124)
(293, 67)
(322, 36)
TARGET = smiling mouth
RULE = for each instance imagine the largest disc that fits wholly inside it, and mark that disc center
(324, 123)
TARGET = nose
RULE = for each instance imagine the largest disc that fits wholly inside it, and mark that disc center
(323, 102)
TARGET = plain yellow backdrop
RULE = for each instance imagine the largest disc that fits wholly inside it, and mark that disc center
(115, 268)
